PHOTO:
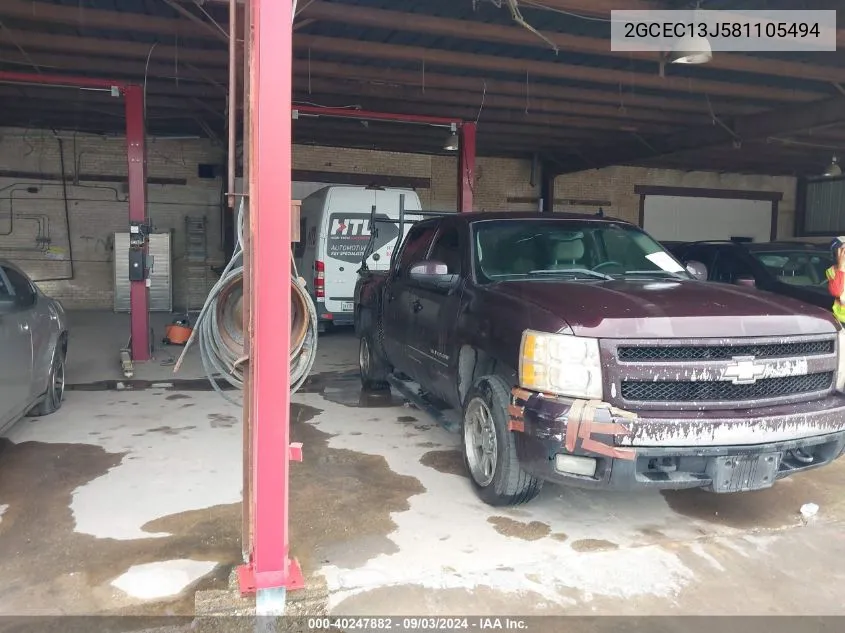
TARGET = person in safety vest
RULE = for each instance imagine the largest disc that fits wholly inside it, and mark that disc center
(836, 277)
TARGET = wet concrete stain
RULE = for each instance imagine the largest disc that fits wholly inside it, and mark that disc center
(774, 507)
(533, 531)
(59, 570)
(341, 500)
(178, 396)
(560, 536)
(166, 430)
(222, 421)
(194, 384)
(344, 388)
(449, 462)
(593, 545)
(185, 406)
(406, 418)
(428, 444)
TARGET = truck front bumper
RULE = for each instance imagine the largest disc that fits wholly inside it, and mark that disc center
(716, 450)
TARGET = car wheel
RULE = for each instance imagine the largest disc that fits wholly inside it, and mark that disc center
(373, 370)
(489, 448)
(56, 387)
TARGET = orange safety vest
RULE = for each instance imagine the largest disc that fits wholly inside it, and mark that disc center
(838, 308)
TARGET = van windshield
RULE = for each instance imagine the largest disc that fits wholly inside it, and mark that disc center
(571, 249)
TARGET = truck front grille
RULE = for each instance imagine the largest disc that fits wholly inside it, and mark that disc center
(661, 391)
(683, 353)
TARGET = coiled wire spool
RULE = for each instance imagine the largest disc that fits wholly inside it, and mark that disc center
(219, 327)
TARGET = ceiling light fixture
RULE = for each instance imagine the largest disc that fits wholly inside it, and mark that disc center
(691, 50)
(452, 142)
(833, 169)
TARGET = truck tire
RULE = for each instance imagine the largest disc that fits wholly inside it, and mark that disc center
(489, 448)
(373, 369)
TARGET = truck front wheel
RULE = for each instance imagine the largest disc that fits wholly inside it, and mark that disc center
(372, 367)
(490, 448)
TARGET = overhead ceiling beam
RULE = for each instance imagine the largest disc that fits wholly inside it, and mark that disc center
(521, 67)
(468, 29)
(479, 98)
(84, 17)
(469, 113)
(115, 48)
(527, 89)
(743, 128)
(178, 73)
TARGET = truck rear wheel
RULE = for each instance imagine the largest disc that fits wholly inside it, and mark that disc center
(490, 448)
(372, 367)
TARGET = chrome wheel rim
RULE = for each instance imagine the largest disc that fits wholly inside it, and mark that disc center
(59, 381)
(364, 357)
(480, 441)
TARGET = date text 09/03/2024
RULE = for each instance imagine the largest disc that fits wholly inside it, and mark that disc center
(427, 623)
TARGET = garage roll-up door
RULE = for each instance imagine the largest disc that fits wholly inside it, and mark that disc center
(688, 219)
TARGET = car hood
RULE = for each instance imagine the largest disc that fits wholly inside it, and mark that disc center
(668, 309)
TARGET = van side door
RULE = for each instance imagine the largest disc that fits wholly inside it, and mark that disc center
(397, 315)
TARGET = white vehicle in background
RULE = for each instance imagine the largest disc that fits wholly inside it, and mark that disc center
(334, 233)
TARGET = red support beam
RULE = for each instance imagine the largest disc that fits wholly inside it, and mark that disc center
(139, 300)
(269, 566)
(466, 167)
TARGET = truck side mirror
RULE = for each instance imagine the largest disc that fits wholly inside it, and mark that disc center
(697, 270)
(433, 274)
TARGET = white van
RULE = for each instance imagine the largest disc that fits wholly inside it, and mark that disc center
(334, 232)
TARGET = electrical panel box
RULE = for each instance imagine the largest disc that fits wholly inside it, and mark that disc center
(160, 279)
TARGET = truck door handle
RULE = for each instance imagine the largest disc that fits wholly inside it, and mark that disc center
(417, 306)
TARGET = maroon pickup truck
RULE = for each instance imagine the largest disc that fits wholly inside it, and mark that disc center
(578, 351)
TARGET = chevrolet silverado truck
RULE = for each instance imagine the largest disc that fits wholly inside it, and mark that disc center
(578, 351)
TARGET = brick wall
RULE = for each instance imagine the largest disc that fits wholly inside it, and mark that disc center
(496, 179)
(97, 209)
(616, 184)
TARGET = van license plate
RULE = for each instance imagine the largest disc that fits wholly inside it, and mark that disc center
(740, 473)
(347, 306)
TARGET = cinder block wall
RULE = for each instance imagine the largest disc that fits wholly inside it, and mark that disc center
(616, 184)
(97, 209)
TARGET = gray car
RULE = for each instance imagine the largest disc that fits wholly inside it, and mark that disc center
(33, 348)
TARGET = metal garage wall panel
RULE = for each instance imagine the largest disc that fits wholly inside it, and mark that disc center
(687, 218)
(825, 206)
(161, 277)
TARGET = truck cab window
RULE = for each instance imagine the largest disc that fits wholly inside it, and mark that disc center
(415, 248)
(729, 266)
(447, 249)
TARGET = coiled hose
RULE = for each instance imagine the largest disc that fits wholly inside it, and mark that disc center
(219, 326)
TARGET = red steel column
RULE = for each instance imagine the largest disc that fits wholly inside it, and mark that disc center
(139, 301)
(269, 566)
(466, 167)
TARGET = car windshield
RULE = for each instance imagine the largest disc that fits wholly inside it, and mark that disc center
(798, 267)
(581, 250)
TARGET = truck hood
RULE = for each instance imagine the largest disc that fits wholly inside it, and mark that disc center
(668, 309)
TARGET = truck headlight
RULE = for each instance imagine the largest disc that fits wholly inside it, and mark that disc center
(561, 364)
(840, 368)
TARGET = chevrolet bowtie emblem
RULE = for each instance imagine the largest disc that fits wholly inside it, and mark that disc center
(744, 371)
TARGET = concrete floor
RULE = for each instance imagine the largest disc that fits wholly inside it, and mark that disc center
(129, 501)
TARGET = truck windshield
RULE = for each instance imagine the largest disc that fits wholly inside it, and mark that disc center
(570, 249)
